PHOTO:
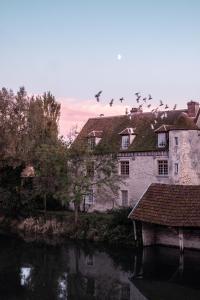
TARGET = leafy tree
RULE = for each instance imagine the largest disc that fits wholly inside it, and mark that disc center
(51, 174)
(88, 171)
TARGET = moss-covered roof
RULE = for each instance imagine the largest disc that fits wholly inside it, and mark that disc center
(144, 124)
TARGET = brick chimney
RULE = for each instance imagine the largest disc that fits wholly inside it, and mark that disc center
(193, 108)
(136, 110)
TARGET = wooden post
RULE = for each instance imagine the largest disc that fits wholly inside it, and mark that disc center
(181, 244)
(135, 230)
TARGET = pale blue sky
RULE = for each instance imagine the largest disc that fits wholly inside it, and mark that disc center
(71, 48)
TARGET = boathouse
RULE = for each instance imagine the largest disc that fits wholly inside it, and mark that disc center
(169, 215)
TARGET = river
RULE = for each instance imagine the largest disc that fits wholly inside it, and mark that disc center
(74, 271)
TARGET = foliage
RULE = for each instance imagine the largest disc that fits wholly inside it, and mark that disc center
(89, 171)
(27, 125)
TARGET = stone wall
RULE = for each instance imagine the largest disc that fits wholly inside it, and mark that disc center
(186, 154)
(163, 235)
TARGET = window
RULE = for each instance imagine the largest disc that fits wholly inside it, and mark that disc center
(124, 166)
(176, 140)
(89, 198)
(176, 168)
(162, 141)
(124, 194)
(125, 292)
(162, 167)
(90, 169)
(125, 141)
(91, 143)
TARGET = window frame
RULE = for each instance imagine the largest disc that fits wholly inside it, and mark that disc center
(124, 200)
(124, 168)
(163, 167)
(176, 140)
(91, 143)
(162, 136)
(125, 142)
(176, 168)
(89, 198)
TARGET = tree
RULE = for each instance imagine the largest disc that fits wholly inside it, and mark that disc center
(88, 171)
(27, 124)
(51, 174)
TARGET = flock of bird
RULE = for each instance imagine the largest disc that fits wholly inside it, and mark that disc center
(141, 102)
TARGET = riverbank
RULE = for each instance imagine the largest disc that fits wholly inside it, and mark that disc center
(113, 228)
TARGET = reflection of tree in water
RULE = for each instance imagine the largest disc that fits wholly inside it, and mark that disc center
(38, 271)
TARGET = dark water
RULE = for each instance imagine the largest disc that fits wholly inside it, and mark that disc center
(80, 272)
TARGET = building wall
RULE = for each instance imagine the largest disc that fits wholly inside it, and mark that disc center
(143, 170)
(187, 155)
(163, 235)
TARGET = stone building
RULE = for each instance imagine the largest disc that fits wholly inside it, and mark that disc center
(169, 215)
(161, 147)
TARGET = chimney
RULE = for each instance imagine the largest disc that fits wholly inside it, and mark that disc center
(193, 108)
(136, 110)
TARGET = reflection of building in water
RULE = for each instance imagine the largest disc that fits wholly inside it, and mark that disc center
(25, 274)
(165, 275)
(100, 277)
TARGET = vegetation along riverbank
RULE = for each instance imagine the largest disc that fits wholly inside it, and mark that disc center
(113, 228)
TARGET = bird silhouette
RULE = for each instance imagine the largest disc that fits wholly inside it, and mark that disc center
(166, 106)
(137, 94)
(121, 99)
(111, 102)
(144, 99)
(150, 97)
(101, 115)
(161, 103)
(175, 106)
(138, 99)
(149, 105)
(97, 96)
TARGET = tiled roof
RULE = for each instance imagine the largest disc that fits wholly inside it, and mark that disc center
(144, 125)
(170, 205)
(95, 133)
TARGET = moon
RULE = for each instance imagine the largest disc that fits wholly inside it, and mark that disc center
(119, 56)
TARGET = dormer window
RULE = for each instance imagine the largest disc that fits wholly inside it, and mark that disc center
(162, 136)
(162, 140)
(125, 141)
(127, 137)
(91, 143)
(94, 137)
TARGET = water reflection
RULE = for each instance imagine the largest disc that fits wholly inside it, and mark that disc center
(80, 272)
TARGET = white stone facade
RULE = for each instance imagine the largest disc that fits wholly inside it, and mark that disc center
(184, 151)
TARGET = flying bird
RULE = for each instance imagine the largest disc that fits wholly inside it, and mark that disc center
(97, 96)
(121, 99)
(144, 99)
(137, 94)
(149, 105)
(166, 106)
(161, 103)
(175, 106)
(150, 97)
(138, 99)
(111, 102)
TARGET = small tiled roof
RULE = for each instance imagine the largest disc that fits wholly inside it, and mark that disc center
(127, 131)
(144, 124)
(95, 133)
(170, 205)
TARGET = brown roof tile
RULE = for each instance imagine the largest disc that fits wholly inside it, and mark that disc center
(171, 205)
(144, 125)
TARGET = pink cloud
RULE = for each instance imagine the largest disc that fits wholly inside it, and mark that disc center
(76, 113)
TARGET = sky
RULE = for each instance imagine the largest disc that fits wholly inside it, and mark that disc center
(74, 48)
